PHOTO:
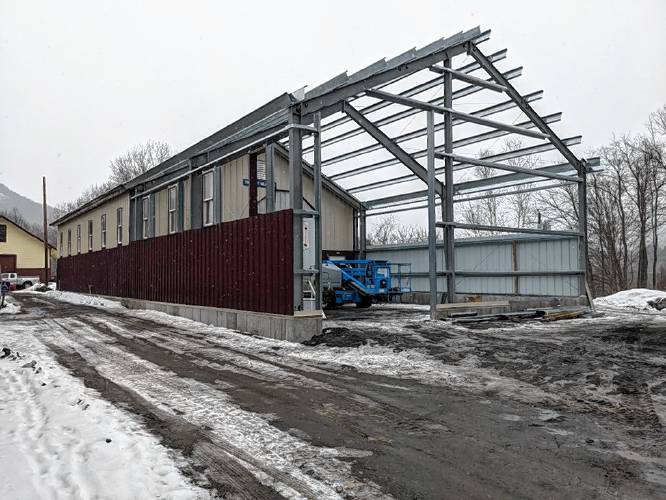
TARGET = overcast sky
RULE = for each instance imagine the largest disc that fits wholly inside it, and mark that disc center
(81, 82)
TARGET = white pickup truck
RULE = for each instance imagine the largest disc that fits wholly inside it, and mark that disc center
(17, 282)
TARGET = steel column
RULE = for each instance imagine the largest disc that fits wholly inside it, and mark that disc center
(296, 202)
(363, 233)
(582, 228)
(270, 178)
(317, 206)
(217, 194)
(253, 184)
(180, 211)
(432, 216)
(449, 231)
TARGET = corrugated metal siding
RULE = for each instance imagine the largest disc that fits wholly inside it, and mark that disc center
(495, 255)
(244, 264)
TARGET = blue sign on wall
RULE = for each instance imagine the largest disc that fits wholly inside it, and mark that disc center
(260, 182)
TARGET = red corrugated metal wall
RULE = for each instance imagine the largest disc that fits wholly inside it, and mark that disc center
(244, 264)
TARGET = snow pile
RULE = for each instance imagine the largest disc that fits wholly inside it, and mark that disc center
(636, 299)
(82, 299)
(39, 287)
(10, 308)
(58, 439)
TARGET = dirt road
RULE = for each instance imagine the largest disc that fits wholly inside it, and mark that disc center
(570, 413)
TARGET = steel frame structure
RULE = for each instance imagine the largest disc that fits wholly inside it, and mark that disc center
(332, 105)
(332, 114)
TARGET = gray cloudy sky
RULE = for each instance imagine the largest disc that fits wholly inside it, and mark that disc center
(81, 82)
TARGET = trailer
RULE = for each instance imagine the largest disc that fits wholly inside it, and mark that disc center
(363, 281)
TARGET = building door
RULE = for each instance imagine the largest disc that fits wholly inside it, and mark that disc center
(7, 263)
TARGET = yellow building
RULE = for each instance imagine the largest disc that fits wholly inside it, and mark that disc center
(22, 252)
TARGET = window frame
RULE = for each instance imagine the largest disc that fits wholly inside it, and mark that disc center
(145, 217)
(172, 211)
(119, 226)
(102, 229)
(78, 238)
(69, 242)
(208, 204)
(61, 242)
(90, 235)
(3, 239)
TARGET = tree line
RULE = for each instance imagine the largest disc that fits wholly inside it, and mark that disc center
(626, 204)
(123, 168)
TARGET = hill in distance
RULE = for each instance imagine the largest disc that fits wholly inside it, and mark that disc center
(29, 209)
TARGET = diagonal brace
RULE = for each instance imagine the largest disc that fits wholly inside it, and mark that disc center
(399, 153)
(496, 75)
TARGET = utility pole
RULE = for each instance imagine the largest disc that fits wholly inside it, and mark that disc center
(46, 234)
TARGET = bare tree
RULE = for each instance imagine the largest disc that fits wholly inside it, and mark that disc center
(388, 231)
(138, 160)
(653, 145)
(124, 168)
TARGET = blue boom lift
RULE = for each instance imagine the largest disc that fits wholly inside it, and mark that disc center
(362, 281)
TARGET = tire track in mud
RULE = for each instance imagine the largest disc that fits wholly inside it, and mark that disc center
(229, 478)
(205, 413)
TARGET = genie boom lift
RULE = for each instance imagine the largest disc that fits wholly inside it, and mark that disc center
(361, 282)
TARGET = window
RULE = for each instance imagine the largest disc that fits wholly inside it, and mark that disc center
(208, 193)
(173, 209)
(90, 235)
(61, 238)
(3, 232)
(102, 224)
(119, 226)
(69, 242)
(145, 207)
(78, 238)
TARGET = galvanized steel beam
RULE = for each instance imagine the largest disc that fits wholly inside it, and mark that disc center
(504, 229)
(464, 77)
(495, 108)
(448, 213)
(458, 94)
(501, 166)
(432, 216)
(296, 203)
(270, 177)
(391, 146)
(316, 165)
(424, 106)
(540, 148)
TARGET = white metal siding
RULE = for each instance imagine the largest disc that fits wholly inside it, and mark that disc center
(495, 255)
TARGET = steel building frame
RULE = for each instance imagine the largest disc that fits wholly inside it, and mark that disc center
(337, 97)
(330, 114)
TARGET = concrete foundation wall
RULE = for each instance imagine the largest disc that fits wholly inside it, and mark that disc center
(297, 328)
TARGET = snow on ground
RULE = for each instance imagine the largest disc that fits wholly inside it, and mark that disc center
(83, 299)
(376, 360)
(265, 450)
(10, 308)
(636, 299)
(58, 439)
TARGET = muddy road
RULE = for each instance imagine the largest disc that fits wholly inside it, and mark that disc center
(572, 411)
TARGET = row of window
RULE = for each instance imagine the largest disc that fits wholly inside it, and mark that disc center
(172, 207)
(103, 237)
